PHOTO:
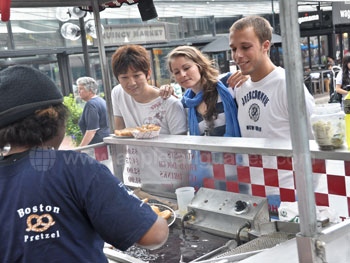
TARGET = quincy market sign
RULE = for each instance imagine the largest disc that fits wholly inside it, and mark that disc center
(134, 34)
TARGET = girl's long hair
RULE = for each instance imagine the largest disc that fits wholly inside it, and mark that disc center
(209, 76)
(345, 70)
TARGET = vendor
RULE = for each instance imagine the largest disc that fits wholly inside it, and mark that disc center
(58, 206)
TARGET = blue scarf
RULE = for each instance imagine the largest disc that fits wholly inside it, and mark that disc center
(192, 100)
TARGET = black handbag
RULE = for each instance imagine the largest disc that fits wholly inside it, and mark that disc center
(335, 98)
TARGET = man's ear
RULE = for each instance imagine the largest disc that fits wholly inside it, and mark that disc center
(266, 45)
(149, 74)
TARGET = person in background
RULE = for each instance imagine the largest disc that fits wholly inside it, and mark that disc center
(59, 206)
(330, 61)
(342, 80)
(328, 76)
(94, 120)
(211, 107)
(262, 99)
(136, 103)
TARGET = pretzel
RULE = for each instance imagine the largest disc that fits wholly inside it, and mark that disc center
(148, 127)
(124, 132)
(165, 214)
(40, 225)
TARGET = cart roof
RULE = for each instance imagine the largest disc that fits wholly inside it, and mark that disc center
(53, 3)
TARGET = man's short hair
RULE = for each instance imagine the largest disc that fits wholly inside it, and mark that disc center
(135, 57)
(89, 84)
(261, 26)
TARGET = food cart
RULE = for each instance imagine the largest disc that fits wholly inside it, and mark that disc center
(312, 243)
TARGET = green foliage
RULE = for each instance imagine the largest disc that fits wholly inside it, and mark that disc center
(72, 128)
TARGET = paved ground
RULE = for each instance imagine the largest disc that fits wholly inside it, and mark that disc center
(321, 98)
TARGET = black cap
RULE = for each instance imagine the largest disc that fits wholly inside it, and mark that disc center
(23, 90)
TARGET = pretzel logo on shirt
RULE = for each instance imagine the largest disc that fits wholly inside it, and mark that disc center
(39, 225)
(254, 112)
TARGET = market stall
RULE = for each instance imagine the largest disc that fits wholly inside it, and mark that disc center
(312, 243)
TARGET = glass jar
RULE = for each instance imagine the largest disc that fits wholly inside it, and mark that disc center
(328, 126)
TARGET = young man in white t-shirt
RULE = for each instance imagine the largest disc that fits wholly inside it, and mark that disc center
(262, 99)
(136, 103)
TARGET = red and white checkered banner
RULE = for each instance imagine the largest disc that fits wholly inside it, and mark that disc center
(268, 176)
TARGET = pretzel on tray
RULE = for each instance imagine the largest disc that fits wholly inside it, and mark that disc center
(125, 132)
(148, 127)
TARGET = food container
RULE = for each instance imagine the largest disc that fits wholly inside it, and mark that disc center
(328, 126)
(146, 132)
(184, 196)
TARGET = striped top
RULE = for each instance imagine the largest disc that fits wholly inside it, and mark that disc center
(219, 127)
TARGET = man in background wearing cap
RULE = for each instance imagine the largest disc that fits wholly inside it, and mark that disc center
(58, 206)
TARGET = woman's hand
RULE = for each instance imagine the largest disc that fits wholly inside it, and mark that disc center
(165, 91)
(237, 79)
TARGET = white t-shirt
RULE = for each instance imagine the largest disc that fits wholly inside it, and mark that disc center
(153, 166)
(339, 81)
(339, 78)
(263, 113)
(263, 107)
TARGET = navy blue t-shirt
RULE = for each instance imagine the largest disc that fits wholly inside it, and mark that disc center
(59, 206)
(94, 117)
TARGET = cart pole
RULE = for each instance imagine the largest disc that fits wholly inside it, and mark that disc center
(107, 86)
(299, 131)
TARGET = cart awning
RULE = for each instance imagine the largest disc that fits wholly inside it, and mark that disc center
(221, 43)
(6, 4)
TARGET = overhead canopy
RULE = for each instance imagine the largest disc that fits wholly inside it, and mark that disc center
(6, 4)
(276, 39)
(221, 43)
(53, 3)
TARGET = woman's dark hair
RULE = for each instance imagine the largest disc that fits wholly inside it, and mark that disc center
(35, 129)
(345, 70)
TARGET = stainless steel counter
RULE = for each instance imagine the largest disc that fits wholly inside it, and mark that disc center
(231, 145)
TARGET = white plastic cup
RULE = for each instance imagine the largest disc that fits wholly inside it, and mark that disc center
(184, 196)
